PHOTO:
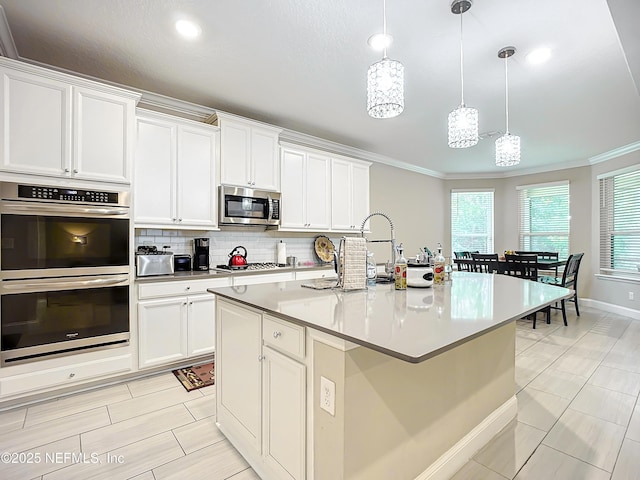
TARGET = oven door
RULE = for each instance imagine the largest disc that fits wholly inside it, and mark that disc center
(245, 206)
(41, 318)
(51, 240)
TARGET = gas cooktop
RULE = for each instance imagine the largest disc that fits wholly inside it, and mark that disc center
(251, 266)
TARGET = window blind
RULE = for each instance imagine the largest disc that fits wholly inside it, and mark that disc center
(472, 221)
(543, 212)
(620, 222)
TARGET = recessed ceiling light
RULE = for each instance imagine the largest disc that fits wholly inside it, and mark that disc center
(187, 28)
(380, 41)
(539, 55)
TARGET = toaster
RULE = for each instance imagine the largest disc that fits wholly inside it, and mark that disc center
(160, 263)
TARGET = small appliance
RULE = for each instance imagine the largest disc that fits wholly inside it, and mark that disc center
(238, 259)
(150, 261)
(419, 275)
(182, 263)
(201, 254)
(247, 206)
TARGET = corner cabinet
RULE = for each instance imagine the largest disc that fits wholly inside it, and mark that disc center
(264, 415)
(54, 124)
(306, 190)
(349, 194)
(248, 153)
(175, 172)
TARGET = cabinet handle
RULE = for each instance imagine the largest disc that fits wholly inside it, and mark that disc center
(249, 182)
(188, 288)
(277, 334)
(66, 170)
(190, 303)
(173, 219)
(179, 219)
(260, 358)
(184, 303)
(75, 170)
(71, 375)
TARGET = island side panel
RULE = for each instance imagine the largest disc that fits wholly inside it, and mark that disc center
(396, 418)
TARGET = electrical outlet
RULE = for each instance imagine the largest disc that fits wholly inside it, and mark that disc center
(631, 296)
(328, 396)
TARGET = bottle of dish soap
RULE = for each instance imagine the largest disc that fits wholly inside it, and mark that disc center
(371, 270)
(438, 267)
(400, 270)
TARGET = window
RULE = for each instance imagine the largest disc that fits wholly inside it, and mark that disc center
(544, 218)
(620, 220)
(472, 221)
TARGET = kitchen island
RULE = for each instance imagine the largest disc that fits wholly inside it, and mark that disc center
(372, 384)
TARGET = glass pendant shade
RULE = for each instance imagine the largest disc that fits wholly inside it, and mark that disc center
(385, 89)
(507, 150)
(463, 127)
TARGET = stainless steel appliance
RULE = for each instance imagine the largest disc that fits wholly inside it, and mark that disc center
(246, 206)
(64, 271)
(201, 254)
(150, 261)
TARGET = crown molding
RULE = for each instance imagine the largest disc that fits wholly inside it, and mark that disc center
(517, 173)
(7, 45)
(615, 153)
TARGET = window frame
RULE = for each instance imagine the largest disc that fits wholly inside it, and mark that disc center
(490, 236)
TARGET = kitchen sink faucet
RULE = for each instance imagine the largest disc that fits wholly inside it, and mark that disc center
(388, 267)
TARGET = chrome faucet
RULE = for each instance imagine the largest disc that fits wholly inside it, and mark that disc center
(388, 268)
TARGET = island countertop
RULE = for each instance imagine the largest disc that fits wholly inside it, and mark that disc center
(412, 325)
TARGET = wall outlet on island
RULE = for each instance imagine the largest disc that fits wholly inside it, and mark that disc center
(328, 396)
(631, 296)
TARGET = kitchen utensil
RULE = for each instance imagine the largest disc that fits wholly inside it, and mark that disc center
(324, 248)
(237, 258)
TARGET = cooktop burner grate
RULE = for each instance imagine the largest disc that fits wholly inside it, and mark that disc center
(252, 266)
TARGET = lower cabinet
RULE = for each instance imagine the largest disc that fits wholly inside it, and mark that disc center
(261, 389)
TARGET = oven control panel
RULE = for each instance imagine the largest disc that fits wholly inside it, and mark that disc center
(66, 194)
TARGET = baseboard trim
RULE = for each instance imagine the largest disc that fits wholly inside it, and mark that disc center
(610, 307)
(455, 458)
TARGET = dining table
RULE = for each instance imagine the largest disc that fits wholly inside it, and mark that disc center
(543, 263)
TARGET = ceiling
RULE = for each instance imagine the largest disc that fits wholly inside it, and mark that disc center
(302, 65)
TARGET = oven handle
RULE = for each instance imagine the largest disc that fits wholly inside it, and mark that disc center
(44, 208)
(270, 207)
(20, 286)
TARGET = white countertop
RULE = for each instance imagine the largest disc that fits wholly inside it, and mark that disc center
(414, 324)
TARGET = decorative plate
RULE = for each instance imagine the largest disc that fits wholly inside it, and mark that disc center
(324, 248)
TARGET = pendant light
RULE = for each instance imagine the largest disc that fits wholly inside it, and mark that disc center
(507, 146)
(385, 83)
(463, 121)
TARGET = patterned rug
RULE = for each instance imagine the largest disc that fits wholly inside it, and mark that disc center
(196, 377)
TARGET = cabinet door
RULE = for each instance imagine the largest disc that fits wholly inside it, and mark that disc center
(238, 372)
(155, 172)
(284, 414)
(293, 189)
(360, 194)
(235, 151)
(265, 165)
(35, 124)
(103, 130)
(341, 195)
(318, 192)
(201, 326)
(162, 331)
(196, 204)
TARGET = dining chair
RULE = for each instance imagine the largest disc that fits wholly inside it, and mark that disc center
(569, 279)
(485, 262)
(526, 268)
(464, 267)
(543, 256)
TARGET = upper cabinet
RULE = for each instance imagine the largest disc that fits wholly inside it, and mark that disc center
(54, 124)
(248, 153)
(175, 172)
(349, 193)
(306, 190)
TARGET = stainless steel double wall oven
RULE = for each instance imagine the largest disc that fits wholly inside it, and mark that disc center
(64, 271)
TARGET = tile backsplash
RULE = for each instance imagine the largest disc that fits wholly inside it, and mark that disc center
(260, 244)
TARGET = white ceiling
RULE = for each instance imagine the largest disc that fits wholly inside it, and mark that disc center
(301, 64)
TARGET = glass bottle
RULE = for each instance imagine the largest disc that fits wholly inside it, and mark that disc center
(438, 267)
(371, 269)
(400, 270)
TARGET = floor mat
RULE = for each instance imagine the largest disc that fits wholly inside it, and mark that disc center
(196, 377)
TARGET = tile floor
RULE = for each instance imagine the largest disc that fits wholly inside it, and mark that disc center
(578, 418)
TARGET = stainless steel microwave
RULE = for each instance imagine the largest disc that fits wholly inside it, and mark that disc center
(247, 206)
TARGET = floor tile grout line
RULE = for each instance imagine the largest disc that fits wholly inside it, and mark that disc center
(580, 460)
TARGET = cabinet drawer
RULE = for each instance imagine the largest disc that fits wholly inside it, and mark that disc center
(58, 377)
(179, 287)
(283, 336)
(262, 278)
(313, 274)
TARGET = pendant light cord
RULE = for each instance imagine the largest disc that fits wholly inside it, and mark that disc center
(506, 92)
(384, 26)
(461, 65)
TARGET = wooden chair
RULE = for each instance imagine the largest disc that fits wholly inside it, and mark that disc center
(464, 267)
(526, 268)
(543, 256)
(569, 279)
(485, 262)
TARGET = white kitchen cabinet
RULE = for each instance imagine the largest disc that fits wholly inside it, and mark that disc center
(349, 194)
(54, 124)
(314, 274)
(265, 413)
(175, 173)
(248, 153)
(176, 320)
(306, 190)
(249, 279)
